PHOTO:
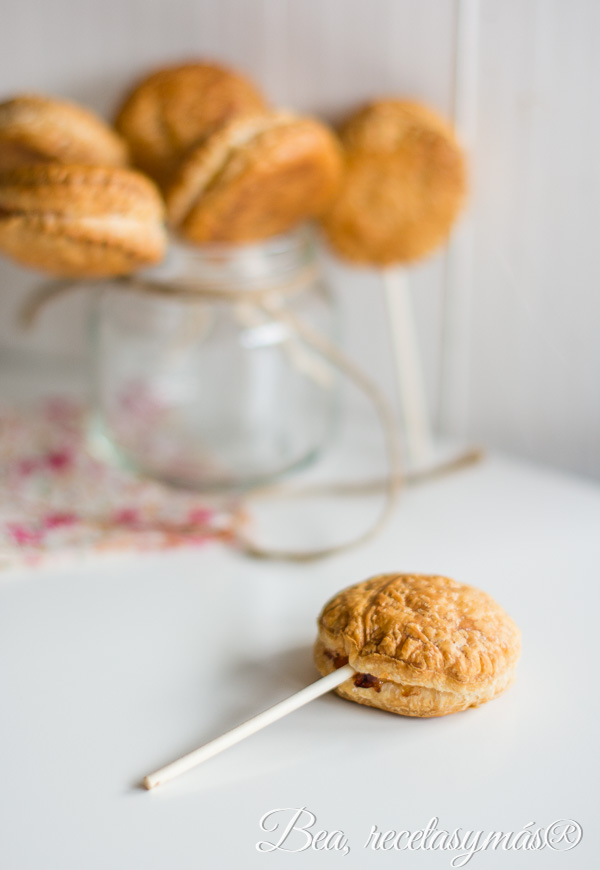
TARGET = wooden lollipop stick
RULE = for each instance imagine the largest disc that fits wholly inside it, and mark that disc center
(409, 374)
(251, 726)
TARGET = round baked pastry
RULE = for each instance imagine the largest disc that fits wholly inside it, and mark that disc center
(403, 186)
(422, 645)
(177, 107)
(81, 221)
(255, 178)
(38, 129)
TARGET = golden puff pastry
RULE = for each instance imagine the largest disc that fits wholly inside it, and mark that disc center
(81, 221)
(178, 107)
(255, 178)
(404, 184)
(39, 129)
(422, 645)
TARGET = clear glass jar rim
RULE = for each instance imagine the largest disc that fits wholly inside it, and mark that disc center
(237, 266)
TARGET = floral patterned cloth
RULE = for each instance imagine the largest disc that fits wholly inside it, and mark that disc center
(58, 503)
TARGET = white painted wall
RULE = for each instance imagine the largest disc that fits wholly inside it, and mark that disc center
(533, 347)
(509, 318)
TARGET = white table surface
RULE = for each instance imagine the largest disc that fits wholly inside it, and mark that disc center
(111, 670)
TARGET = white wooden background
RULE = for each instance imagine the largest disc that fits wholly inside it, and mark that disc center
(510, 316)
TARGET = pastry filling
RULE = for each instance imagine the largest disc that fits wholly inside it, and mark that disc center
(361, 681)
(338, 660)
(367, 681)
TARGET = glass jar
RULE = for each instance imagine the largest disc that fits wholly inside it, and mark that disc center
(199, 386)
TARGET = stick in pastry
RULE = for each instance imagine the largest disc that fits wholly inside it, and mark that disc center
(403, 186)
(413, 644)
(257, 177)
(251, 726)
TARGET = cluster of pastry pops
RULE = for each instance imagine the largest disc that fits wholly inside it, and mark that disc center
(206, 149)
(198, 144)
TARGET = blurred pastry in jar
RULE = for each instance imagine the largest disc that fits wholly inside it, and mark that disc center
(404, 184)
(255, 178)
(421, 645)
(40, 129)
(177, 107)
(81, 221)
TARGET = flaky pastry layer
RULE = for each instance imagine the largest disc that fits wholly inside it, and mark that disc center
(81, 221)
(403, 186)
(40, 129)
(255, 178)
(175, 108)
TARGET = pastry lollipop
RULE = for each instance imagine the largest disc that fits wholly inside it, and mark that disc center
(80, 221)
(176, 108)
(421, 645)
(255, 178)
(38, 129)
(403, 186)
(412, 644)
